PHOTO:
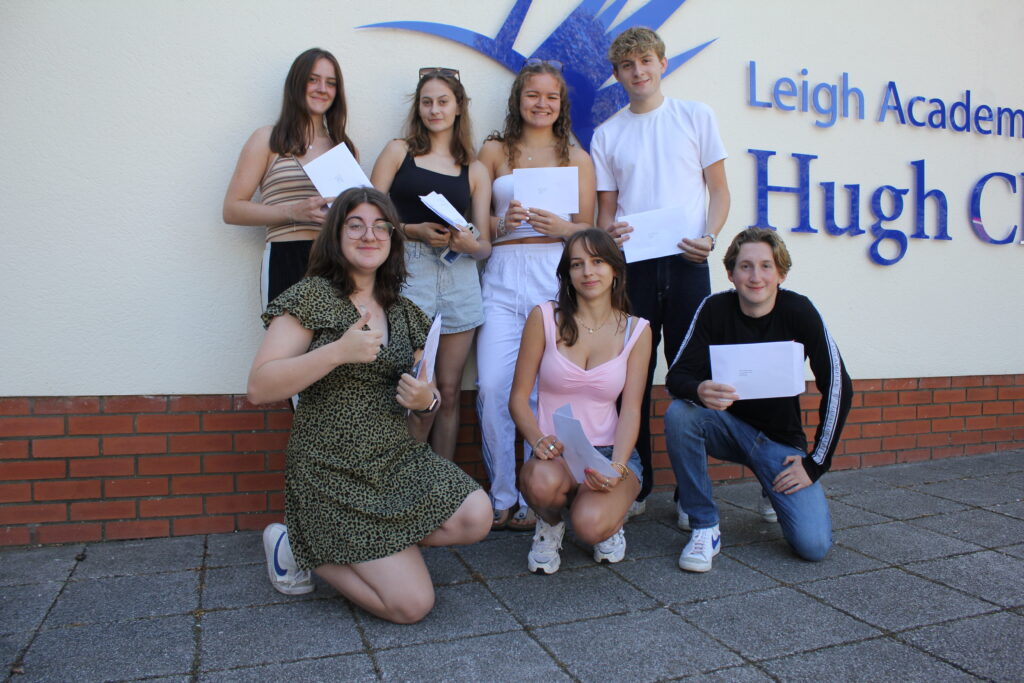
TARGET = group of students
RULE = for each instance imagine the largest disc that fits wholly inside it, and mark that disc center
(559, 318)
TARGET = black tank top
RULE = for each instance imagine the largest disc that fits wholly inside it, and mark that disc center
(411, 181)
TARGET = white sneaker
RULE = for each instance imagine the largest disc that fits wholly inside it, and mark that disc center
(547, 541)
(704, 544)
(682, 519)
(611, 549)
(285, 575)
(765, 509)
(637, 507)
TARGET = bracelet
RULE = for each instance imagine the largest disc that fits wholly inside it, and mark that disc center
(623, 471)
(501, 227)
(536, 446)
(431, 408)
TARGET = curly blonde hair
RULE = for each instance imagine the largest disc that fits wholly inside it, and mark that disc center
(635, 41)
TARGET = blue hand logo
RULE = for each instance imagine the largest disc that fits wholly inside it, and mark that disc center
(580, 42)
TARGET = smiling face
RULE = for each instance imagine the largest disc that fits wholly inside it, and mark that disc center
(438, 106)
(640, 75)
(756, 278)
(540, 100)
(591, 274)
(321, 87)
(365, 253)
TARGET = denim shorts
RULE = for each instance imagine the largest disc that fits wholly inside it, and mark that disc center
(633, 464)
(453, 291)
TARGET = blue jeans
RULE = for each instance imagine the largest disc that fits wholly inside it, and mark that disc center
(693, 432)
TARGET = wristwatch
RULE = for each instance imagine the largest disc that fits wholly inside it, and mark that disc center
(713, 240)
(431, 408)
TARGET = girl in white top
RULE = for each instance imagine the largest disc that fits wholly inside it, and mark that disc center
(520, 273)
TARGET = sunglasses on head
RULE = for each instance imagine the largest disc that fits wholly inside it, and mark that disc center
(533, 61)
(441, 70)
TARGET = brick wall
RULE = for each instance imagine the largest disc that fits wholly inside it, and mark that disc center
(90, 468)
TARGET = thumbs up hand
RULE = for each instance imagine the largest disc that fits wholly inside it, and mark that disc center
(360, 344)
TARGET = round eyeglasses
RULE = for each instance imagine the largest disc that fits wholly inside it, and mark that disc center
(356, 229)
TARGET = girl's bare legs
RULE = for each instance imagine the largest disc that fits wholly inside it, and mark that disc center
(598, 515)
(546, 486)
(398, 587)
(452, 352)
(469, 524)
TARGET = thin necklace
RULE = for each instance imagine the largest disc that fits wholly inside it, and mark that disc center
(592, 330)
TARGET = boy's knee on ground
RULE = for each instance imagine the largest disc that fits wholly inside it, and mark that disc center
(812, 548)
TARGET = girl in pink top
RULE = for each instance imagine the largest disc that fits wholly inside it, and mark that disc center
(587, 351)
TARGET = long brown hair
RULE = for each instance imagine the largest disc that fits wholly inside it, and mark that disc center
(417, 135)
(513, 132)
(596, 242)
(291, 132)
(327, 260)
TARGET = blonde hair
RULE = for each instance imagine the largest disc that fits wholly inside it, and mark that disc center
(780, 254)
(635, 41)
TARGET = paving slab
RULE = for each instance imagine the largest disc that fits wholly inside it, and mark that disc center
(248, 585)
(552, 599)
(124, 558)
(459, 612)
(972, 491)
(11, 645)
(240, 547)
(774, 622)
(37, 565)
(778, 561)
(22, 608)
(988, 575)
(901, 542)
(1002, 462)
(1015, 509)
(988, 646)
(741, 526)
(506, 555)
(511, 657)
(445, 566)
(98, 600)
(595, 650)
(114, 651)
(662, 579)
(275, 633)
(911, 474)
(349, 668)
(1015, 550)
(893, 599)
(843, 483)
(880, 659)
(901, 503)
(736, 674)
(981, 527)
(652, 539)
(848, 516)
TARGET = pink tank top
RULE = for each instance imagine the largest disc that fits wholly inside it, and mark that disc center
(592, 393)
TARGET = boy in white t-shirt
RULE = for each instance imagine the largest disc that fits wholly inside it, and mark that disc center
(658, 153)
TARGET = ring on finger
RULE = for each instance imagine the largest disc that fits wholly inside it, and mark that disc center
(551, 446)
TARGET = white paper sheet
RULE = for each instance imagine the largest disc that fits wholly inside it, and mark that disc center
(579, 454)
(440, 205)
(554, 189)
(655, 233)
(430, 350)
(335, 171)
(766, 370)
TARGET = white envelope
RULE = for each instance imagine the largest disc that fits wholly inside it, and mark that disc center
(765, 370)
(429, 356)
(578, 452)
(655, 233)
(335, 171)
(554, 189)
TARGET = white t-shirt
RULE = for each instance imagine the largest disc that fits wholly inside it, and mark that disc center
(656, 160)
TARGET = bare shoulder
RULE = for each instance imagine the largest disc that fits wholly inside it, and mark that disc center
(578, 156)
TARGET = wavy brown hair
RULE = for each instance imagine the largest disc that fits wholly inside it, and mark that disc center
(327, 260)
(780, 254)
(596, 242)
(291, 132)
(513, 131)
(417, 137)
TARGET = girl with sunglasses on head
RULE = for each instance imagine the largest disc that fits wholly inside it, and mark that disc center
(436, 155)
(269, 187)
(587, 351)
(361, 492)
(520, 273)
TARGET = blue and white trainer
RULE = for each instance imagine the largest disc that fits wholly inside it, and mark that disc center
(285, 575)
(704, 544)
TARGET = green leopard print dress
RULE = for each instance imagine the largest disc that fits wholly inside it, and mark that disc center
(358, 486)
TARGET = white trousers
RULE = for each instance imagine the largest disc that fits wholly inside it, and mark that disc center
(517, 278)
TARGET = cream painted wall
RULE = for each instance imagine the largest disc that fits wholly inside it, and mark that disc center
(122, 122)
